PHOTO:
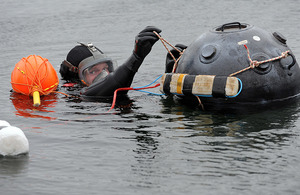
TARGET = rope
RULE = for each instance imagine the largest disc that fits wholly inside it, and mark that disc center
(175, 60)
(200, 103)
(255, 63)
(164, 43)
(61, 93)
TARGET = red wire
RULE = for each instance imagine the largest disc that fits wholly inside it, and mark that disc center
(127, 89)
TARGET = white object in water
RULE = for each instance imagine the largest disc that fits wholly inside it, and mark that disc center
(12, 140)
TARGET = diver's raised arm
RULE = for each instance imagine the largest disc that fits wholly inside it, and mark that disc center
(124, 74)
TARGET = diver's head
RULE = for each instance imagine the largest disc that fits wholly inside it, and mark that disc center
(88, 63)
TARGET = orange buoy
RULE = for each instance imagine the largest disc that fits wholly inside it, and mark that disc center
(34, 76)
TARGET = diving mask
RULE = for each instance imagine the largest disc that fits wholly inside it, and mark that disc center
(95, 70)
(95, 67)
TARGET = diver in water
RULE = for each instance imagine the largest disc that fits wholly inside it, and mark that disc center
(99, 73)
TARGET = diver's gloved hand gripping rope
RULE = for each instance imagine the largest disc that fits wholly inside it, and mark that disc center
(145, 40)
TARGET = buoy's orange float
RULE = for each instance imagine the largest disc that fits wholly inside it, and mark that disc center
(34, 76)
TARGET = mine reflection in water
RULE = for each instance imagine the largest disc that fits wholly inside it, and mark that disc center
(218, 147)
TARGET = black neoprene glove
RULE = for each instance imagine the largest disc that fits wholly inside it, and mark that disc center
(170, 61)
(145, 40)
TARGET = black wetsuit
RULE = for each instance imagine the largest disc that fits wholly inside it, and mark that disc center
(120, 78)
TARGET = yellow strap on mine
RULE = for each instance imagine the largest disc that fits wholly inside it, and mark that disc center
(177, 83)
(180, 83)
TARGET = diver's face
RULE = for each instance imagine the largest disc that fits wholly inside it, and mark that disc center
(91, 73)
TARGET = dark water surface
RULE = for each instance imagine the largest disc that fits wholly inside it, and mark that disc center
(158, 146)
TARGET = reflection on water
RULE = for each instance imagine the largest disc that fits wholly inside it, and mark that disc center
(201, 147)
(175, 143)
(24, 105)
(224, 124)
(13, 165)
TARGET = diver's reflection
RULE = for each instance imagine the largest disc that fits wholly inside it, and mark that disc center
(146, 144)
(145, 154)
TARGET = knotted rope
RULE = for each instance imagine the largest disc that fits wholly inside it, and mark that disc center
(255, 63)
